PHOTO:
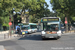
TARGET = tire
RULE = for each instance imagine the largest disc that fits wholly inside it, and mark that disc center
(43, 38)
(58, 37)
(29, 32)
(34, 31)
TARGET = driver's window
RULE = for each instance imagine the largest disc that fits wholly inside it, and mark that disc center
(41, 26)
(44, 25)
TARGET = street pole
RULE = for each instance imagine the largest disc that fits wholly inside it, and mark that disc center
(13, 22)
(9, 30)
(9, 26)
(66, 24)
(13, 17)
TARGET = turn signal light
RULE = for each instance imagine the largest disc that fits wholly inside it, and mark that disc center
(53, 32)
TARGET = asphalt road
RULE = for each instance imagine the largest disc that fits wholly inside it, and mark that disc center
(34, 42)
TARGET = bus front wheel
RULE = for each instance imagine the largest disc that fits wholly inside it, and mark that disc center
(43, 38)
(58, 37)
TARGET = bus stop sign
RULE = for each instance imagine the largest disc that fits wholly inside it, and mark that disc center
(10, 23)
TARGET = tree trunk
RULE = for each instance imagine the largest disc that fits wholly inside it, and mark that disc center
(67, 23)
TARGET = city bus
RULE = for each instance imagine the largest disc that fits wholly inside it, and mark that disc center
(50, 27)
(30, 27)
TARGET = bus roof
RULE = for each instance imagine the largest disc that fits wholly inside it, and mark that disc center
(27, 23)
(32, 24)
(50, 17)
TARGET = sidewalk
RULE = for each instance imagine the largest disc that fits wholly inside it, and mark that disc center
(69, 32)
(2, 47)
(4, 35)
(3, 32)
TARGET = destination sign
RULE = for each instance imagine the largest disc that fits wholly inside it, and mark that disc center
(51, 19)
(44, 19)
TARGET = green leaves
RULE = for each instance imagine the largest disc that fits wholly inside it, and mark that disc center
(37, 7)
(66, 7)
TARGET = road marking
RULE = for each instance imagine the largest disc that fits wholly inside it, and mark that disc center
(4, 49)
(1, 47)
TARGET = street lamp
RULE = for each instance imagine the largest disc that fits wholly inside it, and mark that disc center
(13, 16)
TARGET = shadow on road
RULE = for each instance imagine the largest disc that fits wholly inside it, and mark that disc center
(36, 37)
(31, 37)
(8, 43)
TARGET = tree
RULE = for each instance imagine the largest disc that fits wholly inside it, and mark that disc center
(17, 19)
(65, 7)
(36, 8)
(6, 7)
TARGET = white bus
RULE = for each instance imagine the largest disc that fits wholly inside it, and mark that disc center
(30, 27)
(50, 27)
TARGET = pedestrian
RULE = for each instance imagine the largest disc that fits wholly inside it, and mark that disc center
(71, 28)
(19, 31)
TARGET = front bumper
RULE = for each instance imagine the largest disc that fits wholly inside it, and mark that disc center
(49, 35)
(25, 32)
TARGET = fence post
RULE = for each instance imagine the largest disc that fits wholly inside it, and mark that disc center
(4, 36)
(22, 35)
(8, 35)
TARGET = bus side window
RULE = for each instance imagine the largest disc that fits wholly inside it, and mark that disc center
(28, 28)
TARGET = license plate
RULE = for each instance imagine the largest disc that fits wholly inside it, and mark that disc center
(51, 37)
(23, 33)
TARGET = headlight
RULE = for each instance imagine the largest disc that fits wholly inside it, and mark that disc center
(59, 33)
(29, 30)
(43, 32)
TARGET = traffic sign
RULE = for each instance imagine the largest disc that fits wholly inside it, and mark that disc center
(10, 23)
(65, 22)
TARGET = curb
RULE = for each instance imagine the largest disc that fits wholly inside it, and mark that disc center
(9, 39)
(2, 47)
(67, 33)
(12, 37)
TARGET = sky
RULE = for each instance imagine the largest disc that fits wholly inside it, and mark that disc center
(50, 7)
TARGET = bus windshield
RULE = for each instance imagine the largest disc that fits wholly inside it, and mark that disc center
(24, 28)
(33, 26)
(51, 26)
